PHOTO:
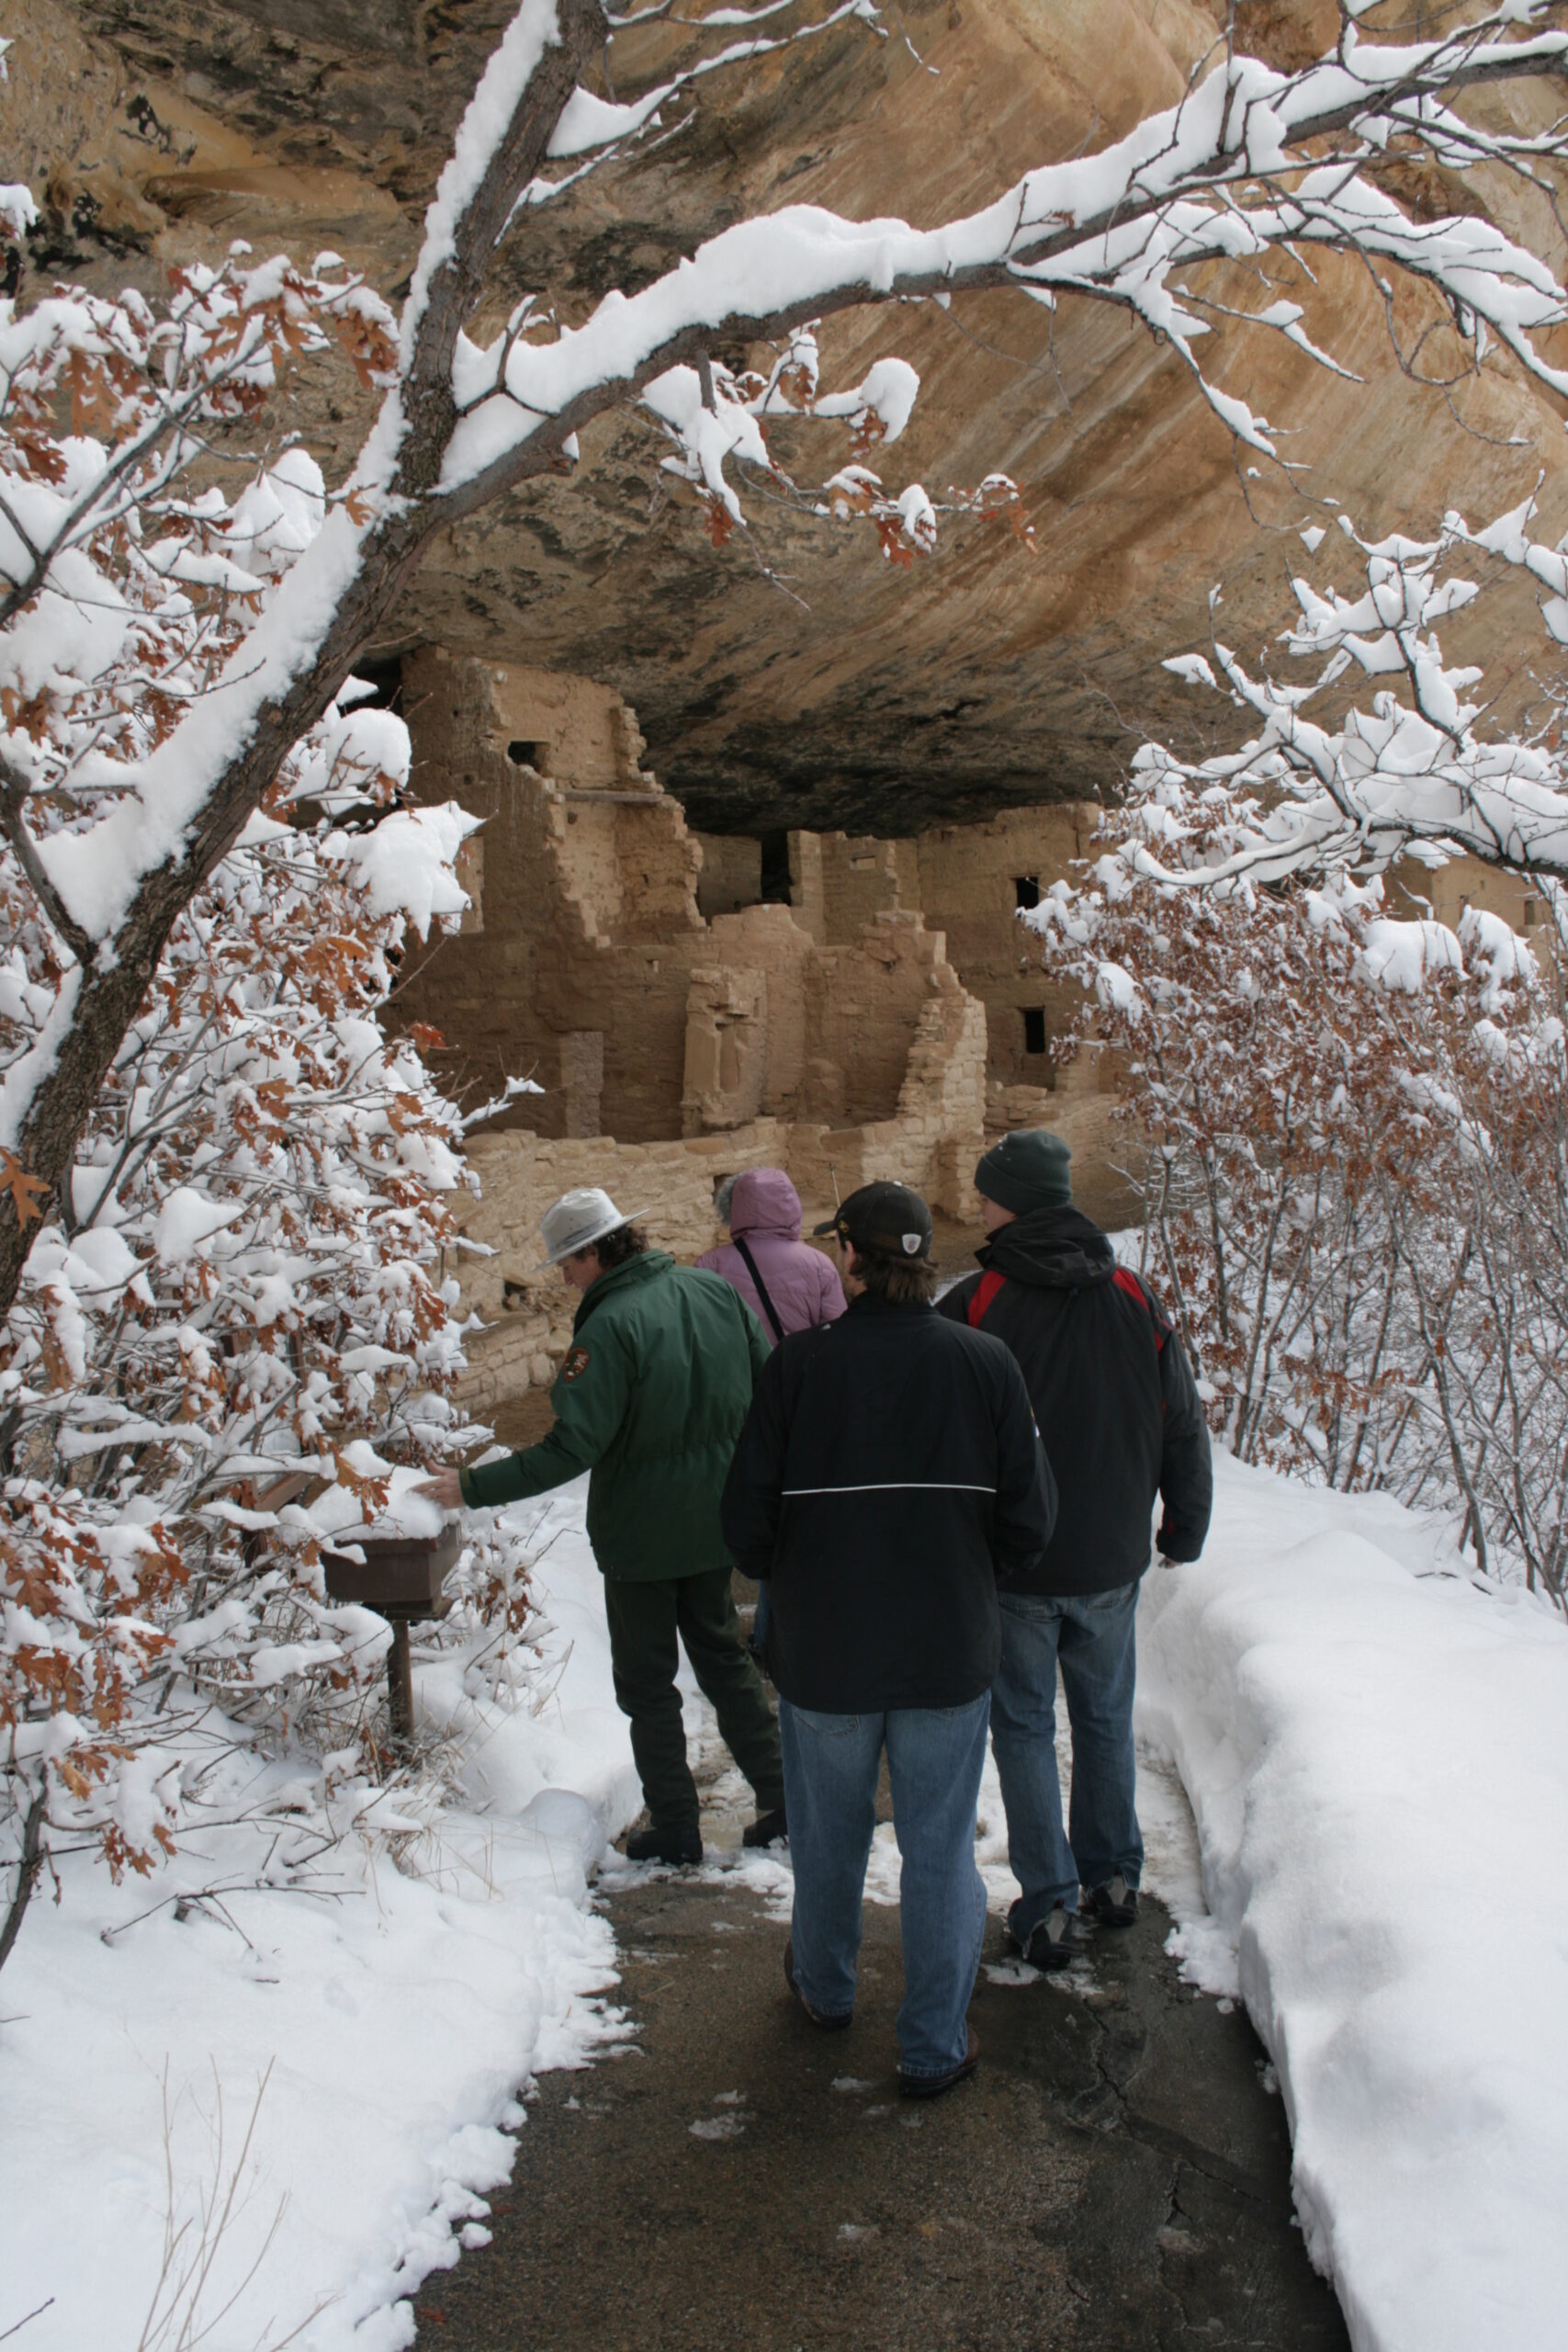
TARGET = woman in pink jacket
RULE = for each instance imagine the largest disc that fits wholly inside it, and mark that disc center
(788, 1285)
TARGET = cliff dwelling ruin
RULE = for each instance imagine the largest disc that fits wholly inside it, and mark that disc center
(692, 1004)
(821, 977)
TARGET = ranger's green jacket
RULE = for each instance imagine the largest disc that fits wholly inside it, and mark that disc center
(649, 1398)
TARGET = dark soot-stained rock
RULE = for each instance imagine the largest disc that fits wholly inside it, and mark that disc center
(855, 693)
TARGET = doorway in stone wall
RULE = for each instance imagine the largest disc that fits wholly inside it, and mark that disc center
(776, 869)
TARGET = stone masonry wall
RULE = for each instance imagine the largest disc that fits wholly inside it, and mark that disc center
(1446, 890)
(591, 924)
(865, 1005)
(593, 966)
(838, 1037)
(967, 890)
(527, 1311)
(961, 879)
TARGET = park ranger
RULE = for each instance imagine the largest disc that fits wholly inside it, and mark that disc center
(650, 1400)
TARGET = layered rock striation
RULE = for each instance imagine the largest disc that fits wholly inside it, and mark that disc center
(868, 697)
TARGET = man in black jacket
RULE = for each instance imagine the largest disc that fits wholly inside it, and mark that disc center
(1120, 1420)
(889, 1473)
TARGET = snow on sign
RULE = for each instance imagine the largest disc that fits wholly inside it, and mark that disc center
(329, 2003)
(402, 1578)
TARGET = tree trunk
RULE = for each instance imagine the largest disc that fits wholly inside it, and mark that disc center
(29, 1862)
(114, 985)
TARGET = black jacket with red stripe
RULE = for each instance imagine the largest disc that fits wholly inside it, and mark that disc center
(889, 1473)
(1113, 1394)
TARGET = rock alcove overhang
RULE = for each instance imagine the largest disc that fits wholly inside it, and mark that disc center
(843, 692)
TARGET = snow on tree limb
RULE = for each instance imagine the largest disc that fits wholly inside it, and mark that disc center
(1228, 173)
(1116, 226)
(1416, 768)
(1250, 162)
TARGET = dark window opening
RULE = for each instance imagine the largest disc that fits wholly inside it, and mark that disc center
(1026, 889)
(1033, 1029)
(776, 869)
(344, 806)
(528, 755)
(385, 680)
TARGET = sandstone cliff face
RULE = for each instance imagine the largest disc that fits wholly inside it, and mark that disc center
(872, 698)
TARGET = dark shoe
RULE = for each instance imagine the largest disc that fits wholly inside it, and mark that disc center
(673, 1846)
(1054, 1941)
(932, 2086)
(768, 1829)
(829, 2024)
(1114, 1904)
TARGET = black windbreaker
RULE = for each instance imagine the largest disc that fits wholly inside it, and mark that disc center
(1119, 1412)
(889, 1473)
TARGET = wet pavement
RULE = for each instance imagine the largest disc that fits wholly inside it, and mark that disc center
(1116, 2176)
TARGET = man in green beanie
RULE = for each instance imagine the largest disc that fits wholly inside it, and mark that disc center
(650, 1400)
(1122, 1423)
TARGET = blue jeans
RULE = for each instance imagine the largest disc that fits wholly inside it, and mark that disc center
(1092, 1635)
(934, 1759)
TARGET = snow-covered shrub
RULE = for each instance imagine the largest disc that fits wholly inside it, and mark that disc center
(244, 1341)
(1349, 1127)
(1250, 165)
(1350, 1136)
(234, 1333)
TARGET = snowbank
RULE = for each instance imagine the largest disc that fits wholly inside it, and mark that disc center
(397, 2007)
(1377, 1757)
(1376, 1754)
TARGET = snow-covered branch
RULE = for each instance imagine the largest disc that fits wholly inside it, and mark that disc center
(1232, 172)
(1423, 769)
(1251, 161)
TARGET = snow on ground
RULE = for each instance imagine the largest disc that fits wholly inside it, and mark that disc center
(393, 2013)
(1172, 1867)
(1376, 1753)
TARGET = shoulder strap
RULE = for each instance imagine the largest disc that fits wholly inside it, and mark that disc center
(769, 1309)
(981, 1296)
(1124, 1279)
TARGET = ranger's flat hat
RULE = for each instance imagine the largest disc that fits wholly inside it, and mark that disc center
(577, 1221)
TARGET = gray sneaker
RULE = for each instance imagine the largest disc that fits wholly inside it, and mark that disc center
(1055, 1941)
(1114, 1904)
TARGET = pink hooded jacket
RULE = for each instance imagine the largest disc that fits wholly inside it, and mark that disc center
(803, 1285)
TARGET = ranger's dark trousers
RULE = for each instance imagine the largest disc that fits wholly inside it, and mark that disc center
(644, 1621)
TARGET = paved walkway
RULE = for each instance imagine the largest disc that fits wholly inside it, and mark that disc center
(1115, 2179)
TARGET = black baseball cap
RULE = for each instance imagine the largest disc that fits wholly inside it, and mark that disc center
(885, 1218)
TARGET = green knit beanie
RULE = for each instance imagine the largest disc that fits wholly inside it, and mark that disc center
(1026, 1171)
